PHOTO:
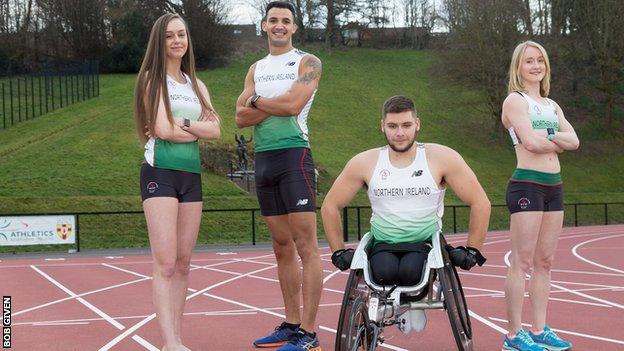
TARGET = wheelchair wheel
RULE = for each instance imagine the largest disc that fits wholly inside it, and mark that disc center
(455, 305)
(355, 332)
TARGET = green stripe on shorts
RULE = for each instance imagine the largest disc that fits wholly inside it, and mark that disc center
(529, 175)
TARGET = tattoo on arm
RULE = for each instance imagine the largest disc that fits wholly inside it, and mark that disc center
(313, 72)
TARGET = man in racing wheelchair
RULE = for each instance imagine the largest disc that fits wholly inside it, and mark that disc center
(405, 183)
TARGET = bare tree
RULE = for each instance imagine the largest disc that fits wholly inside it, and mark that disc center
(482, 37)
(80, 23)
(419, 16)
(600, 25)
(211, 38)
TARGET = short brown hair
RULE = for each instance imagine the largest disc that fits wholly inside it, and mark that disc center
(397, 104)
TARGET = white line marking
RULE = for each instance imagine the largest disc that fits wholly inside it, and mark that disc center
(97, 311)
(552, 283)
(80, 299)
(283, 316)
(555, 281)
(579, 302)
(330, 276)
(145, 343)
(37, 324)
(565, 271)
(131, 330)
(575, 253)
(80, 295)
(488, 323)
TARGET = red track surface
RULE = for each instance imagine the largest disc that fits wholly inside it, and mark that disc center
(104, 303)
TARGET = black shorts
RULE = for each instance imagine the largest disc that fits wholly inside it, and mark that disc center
(158, 182)
(527, 196)
(285, 181)
(398, 264)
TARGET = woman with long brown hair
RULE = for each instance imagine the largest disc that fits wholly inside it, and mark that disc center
(539, 131)
(172, 111)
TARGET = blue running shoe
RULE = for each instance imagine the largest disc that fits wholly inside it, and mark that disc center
(302, 342)
(281, 336)
(521, 342)
(550, 341)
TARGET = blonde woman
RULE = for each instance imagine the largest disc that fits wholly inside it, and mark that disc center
(539, 132)
(172, 111)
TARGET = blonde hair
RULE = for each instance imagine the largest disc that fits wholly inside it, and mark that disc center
(151, 82)
(515, 80)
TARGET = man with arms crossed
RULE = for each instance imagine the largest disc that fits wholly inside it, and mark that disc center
(405, 182)
(279, 90)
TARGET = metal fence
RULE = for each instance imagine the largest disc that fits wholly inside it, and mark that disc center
(247, 226)
(28, 96)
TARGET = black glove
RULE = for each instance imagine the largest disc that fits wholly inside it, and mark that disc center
(342, 258)
(465, 257)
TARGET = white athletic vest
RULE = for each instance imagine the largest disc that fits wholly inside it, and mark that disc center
(273, 76)
(406, 202)
(178, 156)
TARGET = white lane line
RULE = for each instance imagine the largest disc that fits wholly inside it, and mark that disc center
(97, 311)
(579, 302)
(273, 279)
(575, 253)
(79, 295)
(331, 275)
(501, 294)
(552, 283)
(143, 278)
(488, 323)
(82, 264)
(480, 318)
(589, 336)
(144, 343)
(40, 324)
(80, 299)
(283, 316)
(561, 237)
(564, 271)
(131, 330)
(204, 313)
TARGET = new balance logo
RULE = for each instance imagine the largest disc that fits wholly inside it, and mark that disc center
(291, 63)
(302, 202)
(417, 173)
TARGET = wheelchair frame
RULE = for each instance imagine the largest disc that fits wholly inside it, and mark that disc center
(368, 307)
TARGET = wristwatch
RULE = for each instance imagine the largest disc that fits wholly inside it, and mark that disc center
(551, 133)
(187, 123)
(254, 98)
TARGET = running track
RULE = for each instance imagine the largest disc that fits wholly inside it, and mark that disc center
(82, 302)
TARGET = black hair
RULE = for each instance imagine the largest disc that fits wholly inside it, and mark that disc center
(280, 5)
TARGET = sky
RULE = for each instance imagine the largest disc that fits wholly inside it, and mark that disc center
(242, 12)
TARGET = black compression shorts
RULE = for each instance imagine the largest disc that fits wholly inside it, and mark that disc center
(527, 196)
(398, 264)
(158, 182)
(285, 181)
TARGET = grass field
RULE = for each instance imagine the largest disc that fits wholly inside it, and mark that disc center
(85, 157)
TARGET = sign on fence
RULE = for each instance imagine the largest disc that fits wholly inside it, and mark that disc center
(37, 230)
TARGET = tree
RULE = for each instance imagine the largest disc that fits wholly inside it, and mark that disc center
(419, 14)
(600, 24)
(482, 36)
(80, 23)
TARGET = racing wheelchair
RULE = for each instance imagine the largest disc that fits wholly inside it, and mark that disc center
(368, 307)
